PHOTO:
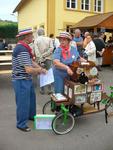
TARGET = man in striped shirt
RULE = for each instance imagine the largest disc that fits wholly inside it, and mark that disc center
(23, 68)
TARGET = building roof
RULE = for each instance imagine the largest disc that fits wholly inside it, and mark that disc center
(101, 20)
(19, 6)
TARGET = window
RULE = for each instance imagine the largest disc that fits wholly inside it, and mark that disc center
(68, 28)
(71, 4)
(98, 6)
(85, 4)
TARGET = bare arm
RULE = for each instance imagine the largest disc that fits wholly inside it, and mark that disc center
(85, 43)
(101, 52)
(35, 65)
(62, 66)
(82, 59)
(79, 43)
(35, 69)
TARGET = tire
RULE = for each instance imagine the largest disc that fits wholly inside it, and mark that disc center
(58, 125)
(47, 108)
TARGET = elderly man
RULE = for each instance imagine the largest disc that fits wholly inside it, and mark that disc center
(79, 41)
(23, 68)
(43, 47)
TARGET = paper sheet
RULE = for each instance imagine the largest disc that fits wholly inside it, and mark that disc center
(46, 79)
(59, 96)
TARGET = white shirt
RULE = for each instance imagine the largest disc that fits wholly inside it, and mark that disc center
(43, 47)
(90, 50)
(56, 42)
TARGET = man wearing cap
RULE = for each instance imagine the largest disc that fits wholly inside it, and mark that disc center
(23, 67)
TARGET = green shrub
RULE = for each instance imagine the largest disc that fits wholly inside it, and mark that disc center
(8, 29)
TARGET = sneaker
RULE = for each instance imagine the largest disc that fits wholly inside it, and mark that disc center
(31, 119)
(26, 129)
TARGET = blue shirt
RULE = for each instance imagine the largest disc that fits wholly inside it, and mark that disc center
(74, 56)
(20, 59)
(78, 39)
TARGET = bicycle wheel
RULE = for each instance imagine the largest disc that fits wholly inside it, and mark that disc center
(47, 109)
(60, 126)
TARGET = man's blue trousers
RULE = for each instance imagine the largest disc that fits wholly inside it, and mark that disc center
(25, 101)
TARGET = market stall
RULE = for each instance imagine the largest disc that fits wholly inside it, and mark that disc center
(96, 23)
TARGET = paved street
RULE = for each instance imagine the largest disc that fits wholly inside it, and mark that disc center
(90, 132)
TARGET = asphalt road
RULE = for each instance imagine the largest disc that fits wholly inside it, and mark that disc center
(90, 132)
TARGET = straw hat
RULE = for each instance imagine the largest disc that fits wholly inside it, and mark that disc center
(65, 35)
(24, 32)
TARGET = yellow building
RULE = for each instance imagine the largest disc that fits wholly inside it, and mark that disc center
(57, 15)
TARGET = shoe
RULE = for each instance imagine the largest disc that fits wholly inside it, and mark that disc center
(26, 129)
(31, 119)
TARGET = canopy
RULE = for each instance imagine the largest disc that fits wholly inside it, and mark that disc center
(104, 20)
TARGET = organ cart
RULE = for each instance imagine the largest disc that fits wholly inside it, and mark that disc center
(83, 94)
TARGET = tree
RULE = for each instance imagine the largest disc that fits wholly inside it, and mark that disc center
(8, 29)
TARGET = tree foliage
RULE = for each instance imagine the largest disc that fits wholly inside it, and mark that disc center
(8, 29)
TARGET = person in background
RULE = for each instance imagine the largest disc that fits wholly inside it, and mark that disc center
(85, 39)
(90, 49)
(23, 67)
(56, 42)
(73, 43)
(5, 44)
(79, 40)
(110, 40)
(63, 57)
(10, 47)
(2, 45)
(102, 36)
(43, 48)
(100, 48)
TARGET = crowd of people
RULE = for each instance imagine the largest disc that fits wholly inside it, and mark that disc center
(36, 56)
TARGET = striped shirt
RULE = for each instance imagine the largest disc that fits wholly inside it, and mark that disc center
(20, 59)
